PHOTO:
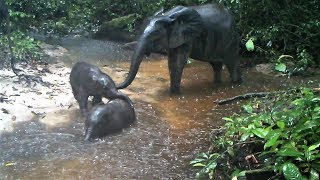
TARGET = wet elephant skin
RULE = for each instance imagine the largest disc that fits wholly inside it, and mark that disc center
(205, 33)
(109, 118)
(88, 80)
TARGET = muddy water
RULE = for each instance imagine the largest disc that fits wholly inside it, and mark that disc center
(169, 132)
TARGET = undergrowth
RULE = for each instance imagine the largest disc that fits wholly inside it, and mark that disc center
(281, 136)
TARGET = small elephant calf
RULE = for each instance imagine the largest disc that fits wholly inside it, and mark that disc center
(88, 80)
(109, 118)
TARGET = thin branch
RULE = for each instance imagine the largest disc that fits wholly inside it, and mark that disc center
(259, 94)
(247, 96)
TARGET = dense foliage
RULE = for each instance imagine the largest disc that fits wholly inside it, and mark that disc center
(282, 136)
(285, 31)
(24, 48)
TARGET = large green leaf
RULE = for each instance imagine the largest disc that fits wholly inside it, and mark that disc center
(273, 137)
(281, 67)
(314, 146)
(291, 172)
(260, 132)
(290, 152)
(250, 45)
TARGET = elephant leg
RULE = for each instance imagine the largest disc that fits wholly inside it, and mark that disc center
(82, 99)
(177, 59)
(217, 68)
(74, 92)
(96, 100)
(234, 72)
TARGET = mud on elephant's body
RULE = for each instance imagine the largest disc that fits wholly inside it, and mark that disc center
(206, 33)
(109, 118)
(87, 80)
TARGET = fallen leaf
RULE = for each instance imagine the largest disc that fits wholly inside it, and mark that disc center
(34, 113)
(10, 164)
(5, 111)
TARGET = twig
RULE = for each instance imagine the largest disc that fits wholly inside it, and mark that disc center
(247, 96)
(260, 94)
(265, 169)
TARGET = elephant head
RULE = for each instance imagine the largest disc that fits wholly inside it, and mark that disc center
(171, 29)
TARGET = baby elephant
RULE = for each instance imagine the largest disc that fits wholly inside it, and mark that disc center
(87, 80)
(109, 118)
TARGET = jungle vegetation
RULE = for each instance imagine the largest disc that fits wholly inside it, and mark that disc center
(284, 32)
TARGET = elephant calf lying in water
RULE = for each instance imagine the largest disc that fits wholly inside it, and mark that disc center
(109, 118)
(87, 80)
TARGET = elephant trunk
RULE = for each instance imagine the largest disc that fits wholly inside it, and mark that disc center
(137, 57)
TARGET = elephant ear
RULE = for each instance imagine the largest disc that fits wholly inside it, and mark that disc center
(159, 12)
(186, 26)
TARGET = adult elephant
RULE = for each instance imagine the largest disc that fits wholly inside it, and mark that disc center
(206, 33)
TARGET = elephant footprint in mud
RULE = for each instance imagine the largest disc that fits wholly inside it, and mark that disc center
(205, 33)
(88, 80)
(109, 118)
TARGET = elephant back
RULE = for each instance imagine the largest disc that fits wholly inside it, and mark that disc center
(219, 37)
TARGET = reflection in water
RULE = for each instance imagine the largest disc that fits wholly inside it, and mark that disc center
(169, 132)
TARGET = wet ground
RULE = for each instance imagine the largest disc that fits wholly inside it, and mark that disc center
(169, 132)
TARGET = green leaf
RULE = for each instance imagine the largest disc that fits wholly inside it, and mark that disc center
(198, 165)
(314, 146)
(314, 175)
(260, 132)
(291, 172)
(197, 160)
(189, 61)
(237, 174)
(212, 165)
(281, 125)
(281, 67)
(250, 45)
(290, 152)
(248, 108)
(244, 136)
(227, 119)
(10, 164)
(274, 135)
(307, 125)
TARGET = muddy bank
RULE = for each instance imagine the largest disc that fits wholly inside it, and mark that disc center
(22, 100)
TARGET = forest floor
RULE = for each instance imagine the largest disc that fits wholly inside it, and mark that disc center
(21, 100)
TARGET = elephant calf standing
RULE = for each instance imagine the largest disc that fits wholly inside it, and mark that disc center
(109, 118)
(205, 33)
(87, 80)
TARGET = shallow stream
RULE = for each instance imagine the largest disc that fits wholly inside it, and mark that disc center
(169, 132)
